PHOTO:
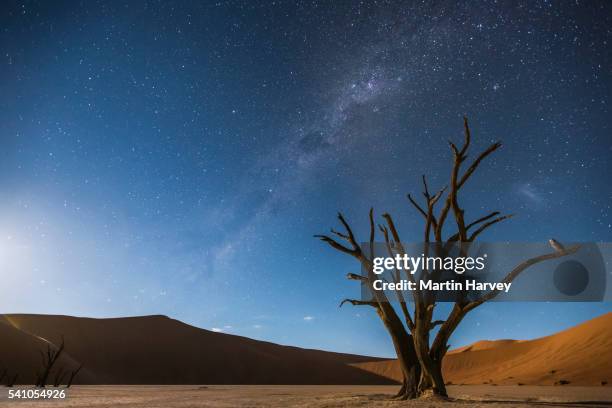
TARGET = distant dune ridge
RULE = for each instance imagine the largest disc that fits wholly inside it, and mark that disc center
(160, 350)
(581, 355)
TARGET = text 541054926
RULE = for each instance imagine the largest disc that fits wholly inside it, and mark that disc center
(36, 393)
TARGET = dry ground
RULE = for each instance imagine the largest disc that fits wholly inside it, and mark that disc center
(317, 396)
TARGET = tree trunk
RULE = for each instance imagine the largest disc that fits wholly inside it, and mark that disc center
(424, 383)
(409, 389)
(406, 355)
(431, 381)
(411, 372)
(438, 387)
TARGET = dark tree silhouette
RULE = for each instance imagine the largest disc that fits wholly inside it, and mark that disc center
(48, 361)
(73, 375)
(420, 358)
(59, 377)
(402, 340)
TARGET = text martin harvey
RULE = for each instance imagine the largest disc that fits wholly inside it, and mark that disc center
(450, 285)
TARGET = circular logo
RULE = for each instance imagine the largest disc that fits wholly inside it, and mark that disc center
(571, 278)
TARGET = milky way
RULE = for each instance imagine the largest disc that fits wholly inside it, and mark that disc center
(176, 158)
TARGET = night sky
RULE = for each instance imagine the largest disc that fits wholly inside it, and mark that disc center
(175, 158)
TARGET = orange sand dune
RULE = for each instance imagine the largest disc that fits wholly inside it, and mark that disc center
(581, 355)
(160, 350)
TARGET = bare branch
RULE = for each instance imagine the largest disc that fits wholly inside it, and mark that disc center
(339, 234)
(73, 375)
(354, 276)
(417, 206)
(442, 218)
(382, 229)
(476, 162)
(437, 196)
(356, 302)
(481, 219)
(430, 218)
(349, 237)
(457, 183)
(517, 271)
(455, 236)
(451, 199)
(454, 203)
(372, 232)
(349, 231)
(51, 358)
(400, 295)
(435, 323)
(425, 189)
(385, 232)
(454, 148)
(488, 224)
(394, 233)
(336, 245)
(468, 137)
(59, 377)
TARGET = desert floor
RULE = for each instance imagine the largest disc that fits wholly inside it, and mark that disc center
(317, 396)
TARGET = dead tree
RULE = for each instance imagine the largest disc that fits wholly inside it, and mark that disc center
(73, 374)
(402, 340)
(48, 361)
(419, 323)
(59, 376)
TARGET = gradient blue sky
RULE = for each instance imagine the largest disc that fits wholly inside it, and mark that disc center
(176, 158)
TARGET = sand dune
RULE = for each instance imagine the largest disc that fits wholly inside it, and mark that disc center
(160, 350)
(20, 350)
(581, 355)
